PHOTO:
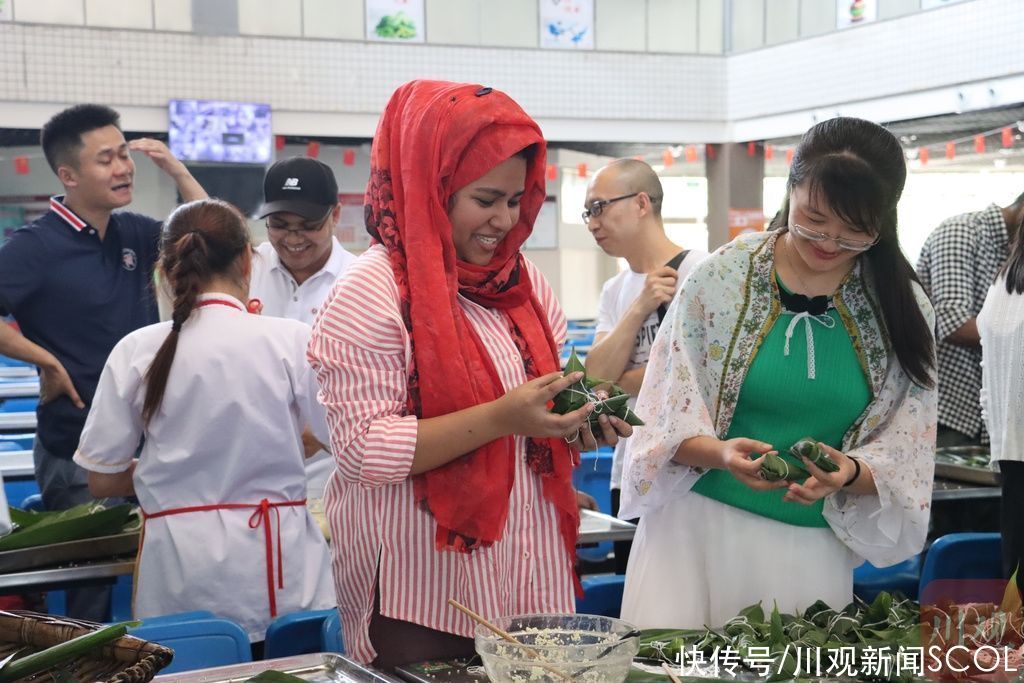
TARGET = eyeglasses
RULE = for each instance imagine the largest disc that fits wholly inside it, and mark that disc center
(306, 229)
(597, 207)
(841, 242)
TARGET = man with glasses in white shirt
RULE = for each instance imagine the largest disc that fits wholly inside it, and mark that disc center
(294, 271)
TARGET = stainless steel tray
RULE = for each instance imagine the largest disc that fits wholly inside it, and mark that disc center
(102, 547)
(322, 667)
(960, 463)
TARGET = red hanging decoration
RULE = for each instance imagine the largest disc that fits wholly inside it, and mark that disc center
(709, 152)
(348, 157)
(552, 172)
(581, 170)
(21, 165)
(1007, 135)
(278, 142)
(979, 144)
(313, 149)
(666, 158)
(950, 150)
(789, 156)
(691, 154)
(769, 152)
(638, 157)
(751, 149)
(922, 155)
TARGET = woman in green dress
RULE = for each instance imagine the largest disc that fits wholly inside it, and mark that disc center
(816, 328)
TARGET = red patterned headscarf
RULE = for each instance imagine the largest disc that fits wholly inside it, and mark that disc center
(433, 139)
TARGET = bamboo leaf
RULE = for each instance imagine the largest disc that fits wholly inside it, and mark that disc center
(60, 653)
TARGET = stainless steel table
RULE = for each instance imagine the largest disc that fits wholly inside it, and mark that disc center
(597, 526)
(64, 577)
(947, 489)
(312, 667)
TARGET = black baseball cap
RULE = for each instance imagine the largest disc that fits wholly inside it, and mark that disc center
(299, 185)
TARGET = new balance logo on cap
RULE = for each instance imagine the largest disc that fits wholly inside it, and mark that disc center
(298, 185)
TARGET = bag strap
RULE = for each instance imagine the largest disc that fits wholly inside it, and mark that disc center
(674, 264)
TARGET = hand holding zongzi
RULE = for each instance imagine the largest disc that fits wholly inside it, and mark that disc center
(611, 401)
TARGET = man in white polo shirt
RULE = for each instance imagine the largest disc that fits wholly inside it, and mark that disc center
(294, 271)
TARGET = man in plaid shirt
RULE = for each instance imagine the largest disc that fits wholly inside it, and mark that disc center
(958, 263)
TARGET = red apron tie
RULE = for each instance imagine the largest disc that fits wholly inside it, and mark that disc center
(259, 517)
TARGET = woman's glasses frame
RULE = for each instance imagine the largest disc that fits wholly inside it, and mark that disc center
(841, 242)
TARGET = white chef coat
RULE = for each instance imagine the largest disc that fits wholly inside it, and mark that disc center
(228, 431)
(282, 297)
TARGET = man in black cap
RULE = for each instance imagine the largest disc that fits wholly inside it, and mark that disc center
(294, 271)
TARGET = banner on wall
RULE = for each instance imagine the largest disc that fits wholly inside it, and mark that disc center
(742, 221)
(567, 24)
(855, 12)
(6, 10)
(395, 20)
(351, 227)
(545, 228)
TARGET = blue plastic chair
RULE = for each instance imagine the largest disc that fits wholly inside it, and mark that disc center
(33, 502)
(869, 580)
(19, 405)
(198, 641)
(24, 442)
(594, 476)
(602, 595)
(330, 634)
(297, 633)
(971, 555)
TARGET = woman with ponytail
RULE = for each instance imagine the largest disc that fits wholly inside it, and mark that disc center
(219, 400)
(816, 328)
(437, 355)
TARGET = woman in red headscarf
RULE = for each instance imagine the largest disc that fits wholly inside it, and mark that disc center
(437, 356)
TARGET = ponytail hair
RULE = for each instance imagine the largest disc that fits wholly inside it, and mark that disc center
(201, 239)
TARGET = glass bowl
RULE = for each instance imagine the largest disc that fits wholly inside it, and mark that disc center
(558, 648)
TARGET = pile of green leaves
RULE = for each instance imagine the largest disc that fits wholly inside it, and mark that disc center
(887, 621)
(398, 25)
(88, 520)
(580, 393)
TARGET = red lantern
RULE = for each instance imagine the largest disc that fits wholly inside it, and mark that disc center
(278, 142)
(581, 170)
(666, 158)
(789, 156)
(348, 157)
(950, 150)
(313, 149)
(769, 152)
(1007, 134)
(922, 155)
(691, 154)
(709, 152)
(552, 172)
(751, 149)
(979, 144)
(21, 165)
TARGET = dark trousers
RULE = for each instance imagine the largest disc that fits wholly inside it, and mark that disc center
(1012, 516)
(621, 548)
(402, 642)
(63, 485)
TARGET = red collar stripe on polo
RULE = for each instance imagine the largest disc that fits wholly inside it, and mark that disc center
(67, 214)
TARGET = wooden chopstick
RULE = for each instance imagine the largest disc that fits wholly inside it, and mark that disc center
(507, 636)
(667, 669)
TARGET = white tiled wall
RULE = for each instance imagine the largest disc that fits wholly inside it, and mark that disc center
(172, 15)
(454, 22)
(962, 43)
(620, 25)
(74, 65)
(782, 21)
(119, 14)
(50, 11)
(270, 17)
(672, 25)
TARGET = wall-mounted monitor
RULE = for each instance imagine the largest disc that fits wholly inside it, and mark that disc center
(214, 131)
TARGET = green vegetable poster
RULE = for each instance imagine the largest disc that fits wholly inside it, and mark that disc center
(395, 20)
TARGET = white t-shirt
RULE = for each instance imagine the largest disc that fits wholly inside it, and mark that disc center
(281, 296)
(617, 295)
(1001, 327)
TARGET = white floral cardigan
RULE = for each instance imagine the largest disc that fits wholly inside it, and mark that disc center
(714, 328)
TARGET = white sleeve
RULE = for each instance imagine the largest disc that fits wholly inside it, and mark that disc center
(113, 428)
(312, 413)
(606, 314)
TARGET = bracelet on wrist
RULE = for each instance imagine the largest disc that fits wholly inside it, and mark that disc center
(856, 472)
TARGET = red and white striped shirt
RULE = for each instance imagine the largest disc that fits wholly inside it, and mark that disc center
(360, 351)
